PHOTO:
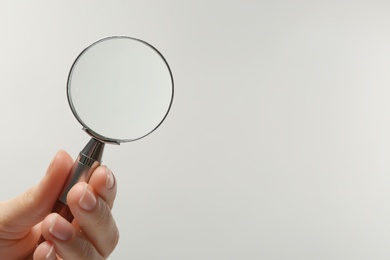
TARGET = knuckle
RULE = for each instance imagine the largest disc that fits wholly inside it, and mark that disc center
(28, 198)
(115, 239)
(113, 242)
(104, 216)
(85, 250)
(28, 201)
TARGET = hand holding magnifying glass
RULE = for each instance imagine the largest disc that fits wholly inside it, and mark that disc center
(120, 89)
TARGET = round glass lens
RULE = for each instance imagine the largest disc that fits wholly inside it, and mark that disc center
(120, 88)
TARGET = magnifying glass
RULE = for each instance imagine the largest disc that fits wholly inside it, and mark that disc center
(120, 89)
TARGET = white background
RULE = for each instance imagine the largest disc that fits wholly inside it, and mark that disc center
(278, 142)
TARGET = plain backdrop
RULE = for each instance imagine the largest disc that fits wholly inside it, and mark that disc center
(278, 142)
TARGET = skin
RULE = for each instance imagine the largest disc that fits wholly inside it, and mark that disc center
(93, 233)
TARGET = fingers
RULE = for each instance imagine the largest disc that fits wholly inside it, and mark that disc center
(68, 242)
(29, 208)
(90, 205)
(45, 251)
(93, 215)
(104, 184)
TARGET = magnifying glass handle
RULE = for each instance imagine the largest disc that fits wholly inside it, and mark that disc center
(87, 161)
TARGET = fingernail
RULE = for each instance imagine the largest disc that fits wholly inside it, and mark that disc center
(110, 181)
(88, 199)
(60, 228)
(51, 255)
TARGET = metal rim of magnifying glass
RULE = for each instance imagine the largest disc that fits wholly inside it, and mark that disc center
(92, 133)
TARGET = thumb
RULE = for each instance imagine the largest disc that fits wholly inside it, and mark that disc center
(31, 207)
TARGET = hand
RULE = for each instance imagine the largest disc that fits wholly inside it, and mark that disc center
(93, 233)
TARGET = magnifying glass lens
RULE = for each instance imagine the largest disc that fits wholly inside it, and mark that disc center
(120, 88)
